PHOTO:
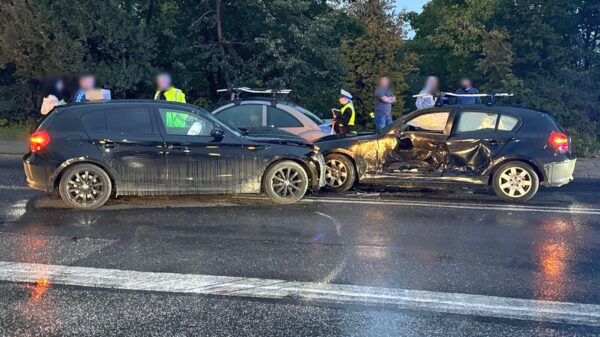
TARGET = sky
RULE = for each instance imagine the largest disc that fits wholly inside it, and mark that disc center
(411, 5)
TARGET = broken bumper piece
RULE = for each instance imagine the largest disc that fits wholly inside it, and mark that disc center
(559, 173)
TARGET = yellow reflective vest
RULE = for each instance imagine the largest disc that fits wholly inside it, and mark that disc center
(353, 113)
(173, 119)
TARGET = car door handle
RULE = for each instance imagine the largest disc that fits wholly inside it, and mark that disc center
(493, 142)
(179, 147)
(107, 143)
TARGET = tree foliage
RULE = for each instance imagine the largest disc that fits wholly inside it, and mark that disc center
(377, 52)
(546, 52)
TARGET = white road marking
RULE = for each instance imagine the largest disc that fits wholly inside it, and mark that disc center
(14, 187)
(307, 292)
(419, 203)
(459, 205)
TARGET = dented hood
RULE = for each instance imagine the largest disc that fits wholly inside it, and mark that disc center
(274, 136)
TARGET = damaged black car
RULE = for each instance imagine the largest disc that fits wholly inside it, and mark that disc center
(512, 150)
(90, 152)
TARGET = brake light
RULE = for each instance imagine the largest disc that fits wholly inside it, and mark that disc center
(559, 142)
(38, 141)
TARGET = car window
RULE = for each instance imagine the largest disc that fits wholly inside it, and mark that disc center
(178, 122)
(243, 116)
(94, 123)
(129, 121)
(281, 119)
(507, 123)
(308, 114)
(470, 121)
(431, 122)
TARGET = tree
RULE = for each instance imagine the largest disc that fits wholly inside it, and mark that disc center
(546, 52)
(376, 52)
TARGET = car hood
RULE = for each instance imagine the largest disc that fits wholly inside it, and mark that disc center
(358, 136)
(274, 136)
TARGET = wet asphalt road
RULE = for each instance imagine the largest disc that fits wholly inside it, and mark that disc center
(450, 243)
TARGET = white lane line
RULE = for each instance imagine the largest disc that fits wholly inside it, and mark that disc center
(485, 207)
(14, 187)
(309, 292)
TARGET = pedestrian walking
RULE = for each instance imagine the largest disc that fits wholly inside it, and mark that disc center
(466, 88)
(384, 98)
(86, 82)
(344, 119)
(429, 94)
(54, 95)
(167, 92)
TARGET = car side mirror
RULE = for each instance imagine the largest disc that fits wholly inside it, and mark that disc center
(217, 133)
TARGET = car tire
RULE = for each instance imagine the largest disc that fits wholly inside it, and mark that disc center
(85, 186)
(340, 173)
(285, 182)
(515, 181)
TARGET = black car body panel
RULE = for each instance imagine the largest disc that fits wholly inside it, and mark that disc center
(400, 155)
(148, 160)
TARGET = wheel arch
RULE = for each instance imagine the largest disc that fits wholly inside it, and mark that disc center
(312, 174)
(58, 173)
(494, 167)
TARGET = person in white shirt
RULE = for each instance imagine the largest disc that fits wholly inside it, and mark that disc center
(429, 94)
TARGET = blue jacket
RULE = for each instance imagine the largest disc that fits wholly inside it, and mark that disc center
(79, 96)
(467, 100)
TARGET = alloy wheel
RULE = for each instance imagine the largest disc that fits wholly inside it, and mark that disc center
(85, 187)
(336, 173)
(515, 182)
(287, 182)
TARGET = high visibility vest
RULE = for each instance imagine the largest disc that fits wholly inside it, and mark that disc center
(352, 117)
(172, 95)
(173, 119)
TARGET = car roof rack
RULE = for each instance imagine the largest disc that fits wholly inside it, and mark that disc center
(236, 93)
(492, 96)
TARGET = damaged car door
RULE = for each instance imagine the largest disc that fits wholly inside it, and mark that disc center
(476, 139)
(418, 146)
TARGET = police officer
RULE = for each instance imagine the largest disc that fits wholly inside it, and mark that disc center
(344, 119)
(167, 92)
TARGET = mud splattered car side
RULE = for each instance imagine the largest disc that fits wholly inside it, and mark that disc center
(91, 151)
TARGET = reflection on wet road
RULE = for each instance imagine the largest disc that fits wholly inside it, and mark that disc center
(445, 244)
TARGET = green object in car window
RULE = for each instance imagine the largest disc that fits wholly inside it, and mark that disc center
(175, 119)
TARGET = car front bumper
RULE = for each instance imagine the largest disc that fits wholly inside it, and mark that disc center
(316, 165)
(559, 173)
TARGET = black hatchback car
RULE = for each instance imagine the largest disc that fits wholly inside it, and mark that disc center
(513, 150)
(91, 151)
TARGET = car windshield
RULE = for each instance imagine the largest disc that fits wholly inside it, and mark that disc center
(307, 113)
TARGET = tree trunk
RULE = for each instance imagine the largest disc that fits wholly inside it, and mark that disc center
(220, 43)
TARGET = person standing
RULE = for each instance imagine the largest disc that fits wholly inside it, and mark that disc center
(344, 120)
(54, 95)
(466, 87)
(384, 98)
(86, 82)
(167, 92)
(429, 94)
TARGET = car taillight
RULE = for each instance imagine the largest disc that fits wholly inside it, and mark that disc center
(559, 142)
(38, 141)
